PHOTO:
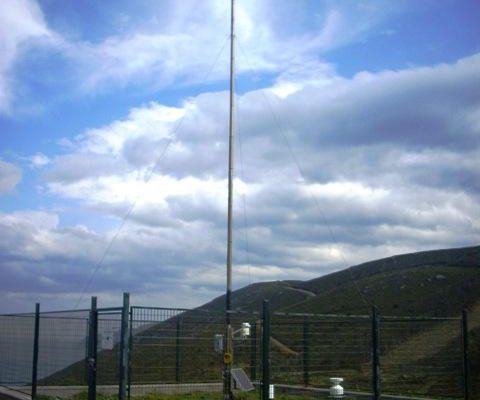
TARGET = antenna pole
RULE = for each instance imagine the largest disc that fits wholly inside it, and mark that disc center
(228, 351)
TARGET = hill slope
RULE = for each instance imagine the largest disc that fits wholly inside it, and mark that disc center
(437, 283)
(433, 283)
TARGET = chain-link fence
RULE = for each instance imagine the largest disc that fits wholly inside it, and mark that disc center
(131, 351)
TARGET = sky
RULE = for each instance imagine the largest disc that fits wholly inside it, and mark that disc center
(358, 137)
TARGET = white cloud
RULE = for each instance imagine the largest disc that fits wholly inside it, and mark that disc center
(361, 166)
(39, 160)
(21, 23)
(155, 121)
(180, 45)
(348, 191)
(34, 219)
(389, 164)
(10, 176)
(176, 44)
(308, 73)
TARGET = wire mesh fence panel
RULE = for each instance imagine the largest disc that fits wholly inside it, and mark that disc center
(62, 345)
(181, 351)
(308, 350)
(422, 357)
(109, 327)
(16, 351)
(173, 350)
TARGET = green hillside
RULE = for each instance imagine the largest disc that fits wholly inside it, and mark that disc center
(414, 354)
(433, 283)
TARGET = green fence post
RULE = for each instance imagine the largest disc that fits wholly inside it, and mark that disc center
(36, 335)
(466, 360)
(375, 355)
(123, 370)
(266, 350)
(253, 351)
(130, 352)
(92, 350)
(306, 352)
(177, 351)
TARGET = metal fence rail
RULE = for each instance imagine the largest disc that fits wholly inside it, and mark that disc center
(130, 351)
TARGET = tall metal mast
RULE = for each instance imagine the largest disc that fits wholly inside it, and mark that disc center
(228, 356)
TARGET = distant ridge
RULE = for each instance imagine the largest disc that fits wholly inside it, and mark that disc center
(457, 257)
(437, 283)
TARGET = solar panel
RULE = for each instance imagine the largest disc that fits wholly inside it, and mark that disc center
(242, 381)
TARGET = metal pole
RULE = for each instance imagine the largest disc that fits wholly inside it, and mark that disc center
(36, 335)
(92, 350)
(228, 356)
(375, 355)
(130, 352)
(266, 350)
(466, 360)
(306, 349)
(177, 352)
(253, 351)
(123, 372)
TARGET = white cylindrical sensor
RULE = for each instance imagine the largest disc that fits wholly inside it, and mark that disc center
(336, 390)
(245, 332)
(218, 343)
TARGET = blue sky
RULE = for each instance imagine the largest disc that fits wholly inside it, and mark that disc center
(358, 138)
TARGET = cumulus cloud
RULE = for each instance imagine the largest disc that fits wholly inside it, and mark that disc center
(327, 176)
(21, 24)
(41, 256)
(180, 44)
(10, 176)
(330, 171)
(408, 131)
(39, 160)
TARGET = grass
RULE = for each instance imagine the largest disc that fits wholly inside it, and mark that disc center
(254, 395)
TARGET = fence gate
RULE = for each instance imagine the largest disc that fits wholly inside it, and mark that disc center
(108, 350)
